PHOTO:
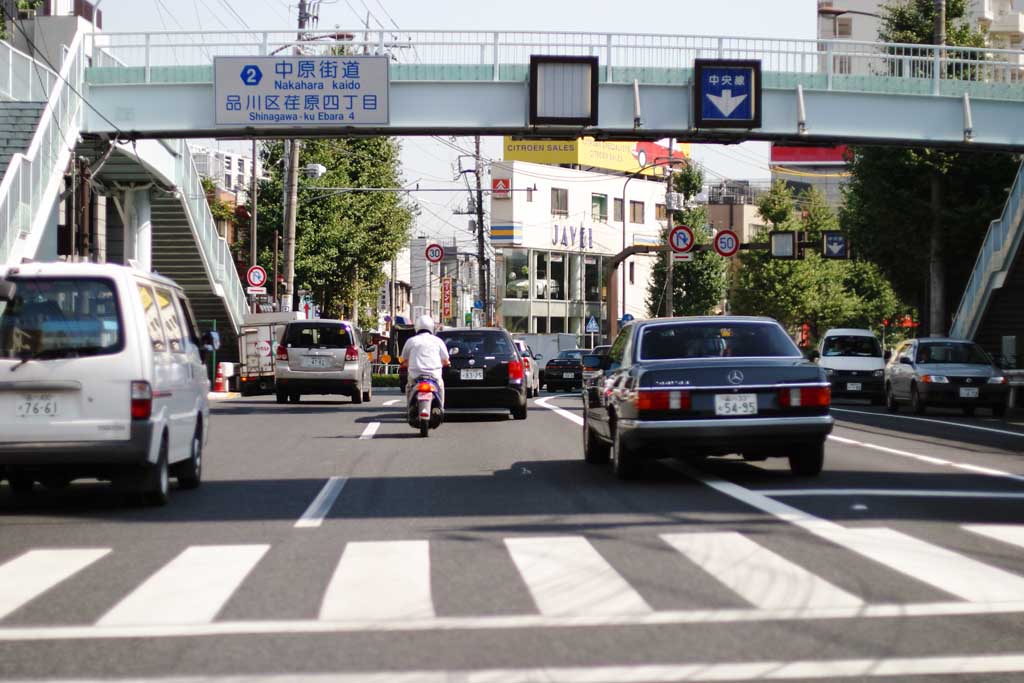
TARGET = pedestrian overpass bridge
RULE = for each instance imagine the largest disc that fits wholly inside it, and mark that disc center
(127, 101)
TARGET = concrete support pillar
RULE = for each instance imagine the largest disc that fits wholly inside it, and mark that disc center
(138, 228)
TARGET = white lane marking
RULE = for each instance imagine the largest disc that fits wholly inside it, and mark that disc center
(191, 589)
(756, 574)
(321, 505)
(808, 669)
(893, 493)
(567, 576)
(30, 575)
(928, 459)
(391, 402)
(370, 430)
(380, 580)
(945, 423)
(543, 403)
(1007, 533)
(948, 571)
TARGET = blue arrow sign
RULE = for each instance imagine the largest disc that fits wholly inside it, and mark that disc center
(836, 245)
(592, 326)
(728, 93)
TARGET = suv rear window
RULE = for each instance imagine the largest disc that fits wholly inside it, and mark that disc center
(477, 343)
(317, 336)
(60, 317)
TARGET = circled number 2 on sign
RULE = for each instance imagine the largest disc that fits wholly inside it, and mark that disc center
(727, 243)
(434, 253)
(681, 239)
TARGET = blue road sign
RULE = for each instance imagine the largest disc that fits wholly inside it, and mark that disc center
(835, 245)
(592, 326)
(251, 74)
(626, 318)
(727, 93)
(479, 305)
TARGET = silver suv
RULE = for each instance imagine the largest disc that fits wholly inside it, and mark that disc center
(322, 357)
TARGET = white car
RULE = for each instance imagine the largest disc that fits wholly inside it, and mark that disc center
(530, 368)
(323, 357)
(102, 377)
(854, 362)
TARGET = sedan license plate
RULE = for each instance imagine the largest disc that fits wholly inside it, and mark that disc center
(314, 362)
(969, 392)
(36, 405)
(568, 375)
(735, 404)
(853, 386)
(471, 374)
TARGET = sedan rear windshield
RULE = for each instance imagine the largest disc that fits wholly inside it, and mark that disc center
(853, 345)
(572, 354)
(714, 340)
(60, 318)
(317, 336)
(471, 343)
(952, 352)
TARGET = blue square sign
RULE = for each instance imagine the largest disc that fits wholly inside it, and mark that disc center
(727, 93)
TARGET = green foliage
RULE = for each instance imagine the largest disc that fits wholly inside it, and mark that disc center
(821, 292)
(342, 238)
(699, 284)
(776, 205)
(379, 381)
(221, 211)
(913, 21)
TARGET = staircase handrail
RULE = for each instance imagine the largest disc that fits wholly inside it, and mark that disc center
(35, 70)
(213, 248)
(28, 175)
(998, 251)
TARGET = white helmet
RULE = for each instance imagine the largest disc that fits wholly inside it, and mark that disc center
(425, 322)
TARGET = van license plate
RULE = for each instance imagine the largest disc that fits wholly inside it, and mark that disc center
(853, 386)
(471, 373)
(36, 405)
(735, 404)
(968, 392)
(314, 362)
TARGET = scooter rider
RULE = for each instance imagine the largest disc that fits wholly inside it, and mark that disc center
(425, 355)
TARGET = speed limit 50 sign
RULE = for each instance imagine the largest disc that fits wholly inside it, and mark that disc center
(727, 243)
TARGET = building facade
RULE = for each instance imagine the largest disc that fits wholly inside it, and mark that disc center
(553, 228)
(231, 171)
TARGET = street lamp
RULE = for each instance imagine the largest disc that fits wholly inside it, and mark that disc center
(836, 12)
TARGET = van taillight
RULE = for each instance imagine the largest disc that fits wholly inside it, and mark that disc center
(806, 397)
(282, 352)
(515, 371)
(652, 401)
(351, 353)
(142, 401)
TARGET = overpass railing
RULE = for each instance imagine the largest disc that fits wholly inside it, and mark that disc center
(496, 54)
(22, 78)
(1002, 243)
(31, 181)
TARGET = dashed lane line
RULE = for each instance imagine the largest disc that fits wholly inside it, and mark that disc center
(370, 430)
(314, 515)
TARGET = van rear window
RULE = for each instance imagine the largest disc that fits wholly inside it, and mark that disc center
(317, 336)
(60, 318)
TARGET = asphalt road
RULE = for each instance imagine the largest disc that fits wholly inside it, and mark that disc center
(329, 542)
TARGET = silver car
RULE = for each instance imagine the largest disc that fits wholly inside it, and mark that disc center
(530, 368)
(323, 357)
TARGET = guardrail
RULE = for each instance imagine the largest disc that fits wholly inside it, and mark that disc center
(837, 61)
(998, 251)
(25, 79)
(29, 177)
(214, 248)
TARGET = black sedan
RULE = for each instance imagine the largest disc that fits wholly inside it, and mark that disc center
(564, 371)
(694, 387)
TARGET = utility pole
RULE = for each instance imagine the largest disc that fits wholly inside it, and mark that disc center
(291, 207)
(936, 251)
(670, 214)
(484, 271)
(253, 195)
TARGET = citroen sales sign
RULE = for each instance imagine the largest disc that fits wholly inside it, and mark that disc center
(321, 91)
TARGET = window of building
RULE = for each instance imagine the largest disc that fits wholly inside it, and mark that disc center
(617, 217)
(227, 163)
(557, 277)
(592, 277)
(517, 274)
(636, 212)
(241, 181)
(660, 212)
(227, 181)
(540, 324)
(632, 273)
(516, 323)
(540, 275)
(559, 201)
(844, 27)
(241, 165)
(599, 207)
(557, 325)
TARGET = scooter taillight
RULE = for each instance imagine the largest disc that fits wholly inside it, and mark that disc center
(425, 388)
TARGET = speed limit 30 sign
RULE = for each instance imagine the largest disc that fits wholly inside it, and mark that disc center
(434, 253)
(727, 243)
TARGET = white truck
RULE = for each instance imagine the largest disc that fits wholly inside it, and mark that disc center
(257, 343)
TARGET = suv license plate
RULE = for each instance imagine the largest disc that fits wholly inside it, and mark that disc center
(314, 362)
(471, 373)
(853, 386)
(36, 405)
(969, 392)
(735, 404)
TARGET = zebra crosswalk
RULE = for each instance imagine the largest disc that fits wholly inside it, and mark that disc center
(389, 584)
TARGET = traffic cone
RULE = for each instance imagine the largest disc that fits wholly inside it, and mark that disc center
(219, 385)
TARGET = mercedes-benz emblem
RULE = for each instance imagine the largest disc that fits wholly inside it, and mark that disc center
(735, 377)
(969, 380)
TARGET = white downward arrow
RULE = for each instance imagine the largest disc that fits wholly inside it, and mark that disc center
(726, 103)
(835, 247)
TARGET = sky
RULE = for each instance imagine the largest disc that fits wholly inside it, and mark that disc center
(433, 162)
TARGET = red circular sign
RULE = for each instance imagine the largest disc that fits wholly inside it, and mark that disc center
(681, 239)
(434, 253)
(727, 243)
(257, 276)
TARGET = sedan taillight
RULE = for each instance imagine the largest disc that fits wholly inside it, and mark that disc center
(351, 353)
(142, 400)
(806, 397)
(655, 401)
(282, 352)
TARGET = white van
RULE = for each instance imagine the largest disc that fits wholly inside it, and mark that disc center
(854, 362)
(101, 376)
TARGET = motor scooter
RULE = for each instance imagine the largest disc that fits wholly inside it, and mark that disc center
(425, 409)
